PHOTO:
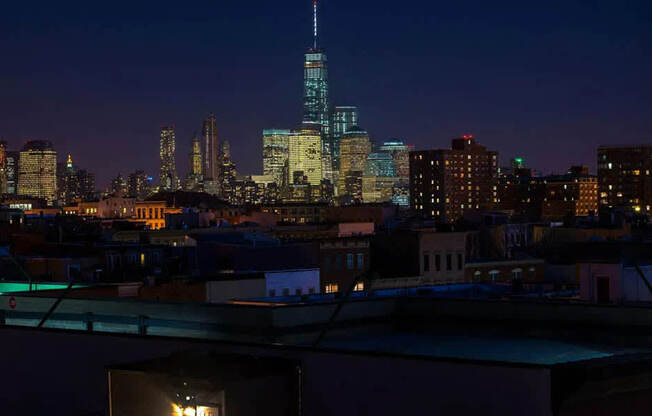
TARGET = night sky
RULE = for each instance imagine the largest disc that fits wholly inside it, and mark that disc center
(547, 81)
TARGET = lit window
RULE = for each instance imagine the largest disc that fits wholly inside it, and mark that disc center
(331, 288)
(358, 287)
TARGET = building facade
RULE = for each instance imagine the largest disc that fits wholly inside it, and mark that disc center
(625, 177)
(140, 184)
(316, 106)
(3, 167)
(400, 153)
(119, 186)
(444, 183)
(355, 148)
(195, 157)
(194, 179)
(152, 213)
(342, 260)
(276, 154)
(344, 118)
(379, 178)
(168, 178)
(211, 148)
(70, 184)
(37, 174)
(227, 173)
(305, 155)
(13, 161)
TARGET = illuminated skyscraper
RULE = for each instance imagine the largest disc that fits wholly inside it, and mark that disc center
(355, 148)
(139, 184)
(86, 183)
(316, 106)
(168, 179)
(379, 178)
(380, 164)
(305, 157)
(195, 157)
(3, 167)
(13, 160)
(211, 148)
(227, 174)
(66, 181)
(119, 186)
(194, 179)
(344, 117)
(276, 154)
(37, 174)
(400, 153)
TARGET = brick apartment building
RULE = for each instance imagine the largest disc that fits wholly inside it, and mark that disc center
(446, 183)
(625, 177)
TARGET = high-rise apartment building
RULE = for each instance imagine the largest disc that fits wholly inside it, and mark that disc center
(625, 177)
(444, 183)
(168, 179)
(211, 148)
(276, 154)
(570, 195)
(553, 197)
(355, 148)
(304, 154)
(37, 174)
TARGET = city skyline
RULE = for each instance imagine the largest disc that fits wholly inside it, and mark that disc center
(541, 109)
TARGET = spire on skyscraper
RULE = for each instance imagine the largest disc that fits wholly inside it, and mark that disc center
(314, 24)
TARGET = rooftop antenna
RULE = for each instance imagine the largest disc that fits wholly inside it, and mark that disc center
(314, 24)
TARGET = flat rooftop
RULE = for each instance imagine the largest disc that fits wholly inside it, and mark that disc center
(404, 323)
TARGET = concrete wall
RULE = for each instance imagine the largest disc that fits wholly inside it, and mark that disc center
(634, 288)
(433, 244)
(306, 281)
(224, 290)
(589, 273)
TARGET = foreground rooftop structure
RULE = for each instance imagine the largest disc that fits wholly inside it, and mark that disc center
(426, 348)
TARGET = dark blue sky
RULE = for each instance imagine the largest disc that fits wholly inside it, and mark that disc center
(548, 81)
